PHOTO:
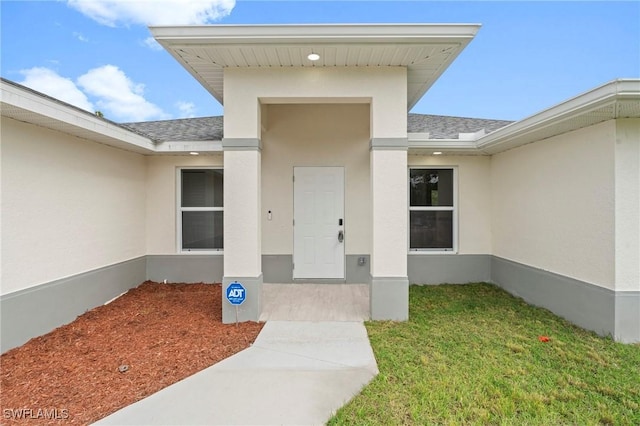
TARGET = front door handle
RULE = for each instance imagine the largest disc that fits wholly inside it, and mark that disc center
(340, 236)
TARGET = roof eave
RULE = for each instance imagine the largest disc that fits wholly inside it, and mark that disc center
(523, 131)
(317, 33)
(605, 99)
(26, 105)
(172, 38)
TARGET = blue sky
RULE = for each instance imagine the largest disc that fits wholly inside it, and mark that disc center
(528, 56)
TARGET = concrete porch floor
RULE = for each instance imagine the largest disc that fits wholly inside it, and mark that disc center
(315, 302)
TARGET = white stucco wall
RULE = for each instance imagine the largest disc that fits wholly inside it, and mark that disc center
(553, 204)
(389, 201)
(161, 220)
(473, 198)
(242, 195)
(627, 202)
(315, 135)
(384, 88)
(69, 205)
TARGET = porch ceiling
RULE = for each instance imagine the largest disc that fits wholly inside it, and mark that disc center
(426, 50)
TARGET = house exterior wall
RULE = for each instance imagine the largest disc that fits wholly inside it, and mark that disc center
(315, 135)
(69, 205)
(384, 88)
(627, 230)
(390, 205)
(73, 228)
(627, 205)
(245, 191)
(553, 205)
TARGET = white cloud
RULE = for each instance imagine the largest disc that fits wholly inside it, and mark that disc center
(187, 109)
(119, 98)
(80, 37)
(151, 43)
(153, 12)
(49, 82)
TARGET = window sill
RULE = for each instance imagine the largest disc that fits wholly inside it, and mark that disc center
(428, 252)
(197, 252)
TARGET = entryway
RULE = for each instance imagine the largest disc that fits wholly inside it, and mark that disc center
(315, 302)
(319, 231)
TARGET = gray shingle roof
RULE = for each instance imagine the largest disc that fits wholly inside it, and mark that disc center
(184, 129)
(210, 128)
(446, 127)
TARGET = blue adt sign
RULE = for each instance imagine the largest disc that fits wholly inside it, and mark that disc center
(236, 293)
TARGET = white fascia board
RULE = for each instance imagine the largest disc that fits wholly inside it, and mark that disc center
(38, 105)
(317, 33)
(175, 147)
(507, 137)
(447, 146)
(40, 109)
(601, 96)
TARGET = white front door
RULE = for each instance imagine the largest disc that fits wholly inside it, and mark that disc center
(318, 219)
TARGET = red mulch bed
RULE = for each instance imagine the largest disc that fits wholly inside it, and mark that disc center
(161, 332)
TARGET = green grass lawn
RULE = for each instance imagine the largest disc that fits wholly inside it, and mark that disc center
(471, 355)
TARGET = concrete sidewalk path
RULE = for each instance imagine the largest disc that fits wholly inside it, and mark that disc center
(296, 373)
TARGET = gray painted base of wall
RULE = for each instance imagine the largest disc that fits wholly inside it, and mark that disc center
(448, 268)
(595, 308)
(38, 310)
(251, 308)
(627, 320)
(278, 268)
(185, 268)
(389, 298)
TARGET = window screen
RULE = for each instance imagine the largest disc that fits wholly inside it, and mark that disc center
(201, 209)
(431, 209)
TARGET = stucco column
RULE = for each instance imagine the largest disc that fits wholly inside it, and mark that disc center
(389, 286)
(242, 226)
(627, 231)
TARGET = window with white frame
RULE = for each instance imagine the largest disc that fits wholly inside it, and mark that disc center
(431, 209)
(200, 209)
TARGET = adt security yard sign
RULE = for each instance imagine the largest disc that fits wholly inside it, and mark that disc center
(236, 293)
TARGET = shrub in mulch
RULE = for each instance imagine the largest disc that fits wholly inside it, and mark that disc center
(111, 356)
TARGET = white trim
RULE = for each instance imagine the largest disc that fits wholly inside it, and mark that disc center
(319, 33)
(180, 209)
(174, 147)
(24, 104)
(454, 209)
(609, 94)
(607, 99)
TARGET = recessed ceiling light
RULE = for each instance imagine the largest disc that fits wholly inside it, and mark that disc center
(437, 153)
(194, 153)
(313, 56)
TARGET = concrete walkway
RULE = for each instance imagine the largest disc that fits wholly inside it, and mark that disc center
(296, 373)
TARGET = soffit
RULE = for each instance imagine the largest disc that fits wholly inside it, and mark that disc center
(426, 50)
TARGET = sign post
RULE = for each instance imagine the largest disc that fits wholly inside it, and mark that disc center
(236, 294)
